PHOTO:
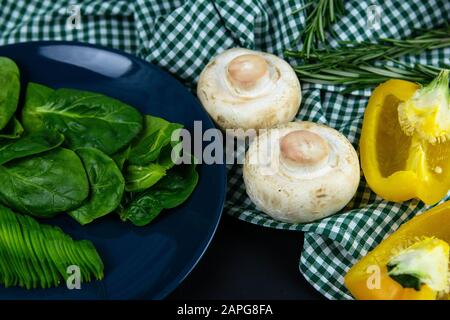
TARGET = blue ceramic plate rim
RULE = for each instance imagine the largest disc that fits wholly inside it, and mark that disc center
(201, 249)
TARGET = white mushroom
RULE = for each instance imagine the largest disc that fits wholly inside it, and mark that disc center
(301, 171)
(245, 89)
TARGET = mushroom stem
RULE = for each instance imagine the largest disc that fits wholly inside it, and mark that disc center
(304, 149)
(247, 70)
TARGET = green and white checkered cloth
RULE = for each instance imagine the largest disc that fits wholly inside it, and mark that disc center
(182, 36)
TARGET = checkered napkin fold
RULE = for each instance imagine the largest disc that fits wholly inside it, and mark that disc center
(183, 35)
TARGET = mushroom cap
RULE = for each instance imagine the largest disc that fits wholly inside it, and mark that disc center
(301, 171)
(245, 89)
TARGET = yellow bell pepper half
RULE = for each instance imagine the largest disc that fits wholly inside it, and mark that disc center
(368, 279)
(396, 166)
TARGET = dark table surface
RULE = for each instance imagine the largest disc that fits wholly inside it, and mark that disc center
(245, 261)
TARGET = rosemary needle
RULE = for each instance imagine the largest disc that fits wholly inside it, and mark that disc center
(320, 15)
(353, 63)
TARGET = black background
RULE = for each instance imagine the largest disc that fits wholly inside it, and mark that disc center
(246, 261)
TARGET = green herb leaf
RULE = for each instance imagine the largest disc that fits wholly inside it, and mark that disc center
(353, 64)
(320, 15)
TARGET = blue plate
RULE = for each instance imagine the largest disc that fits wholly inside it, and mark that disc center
(140, 262)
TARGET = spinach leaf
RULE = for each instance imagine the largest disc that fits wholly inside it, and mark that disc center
(171, 191)
(155, 146)
(29, 145)
(106, 182)
(170, 154)
(13, 130)
(140, 178)
(45, 184)
(86, 119)
(36, 96)
(121, 157)
(156, 135)
(9, 90)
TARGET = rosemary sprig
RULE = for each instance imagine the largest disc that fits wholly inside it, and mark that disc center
(352, 64)
(320, 15)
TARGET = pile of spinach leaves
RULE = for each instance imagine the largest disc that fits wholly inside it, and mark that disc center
(84, 154)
